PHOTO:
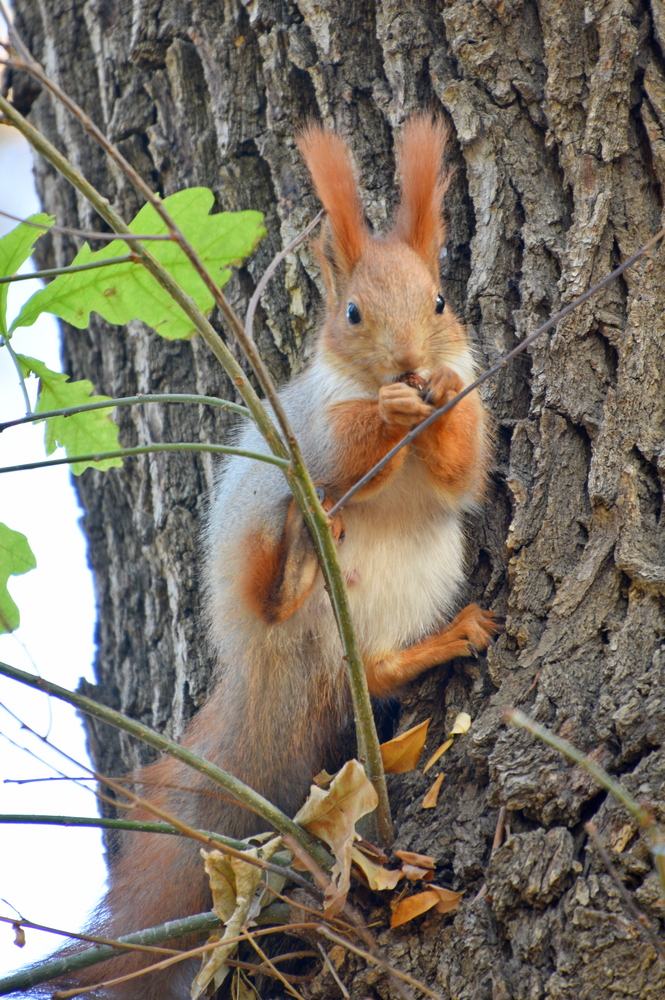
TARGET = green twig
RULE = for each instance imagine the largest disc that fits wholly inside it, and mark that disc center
(87, 234)
(245, 795)
(200, 924)
(52, 272)
(196, 317)
(109, 404)
(299, 479)
(643, 817)
(147, 449)
(4, 342)
(143, 826)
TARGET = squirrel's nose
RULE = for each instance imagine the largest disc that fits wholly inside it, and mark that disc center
(408, 359)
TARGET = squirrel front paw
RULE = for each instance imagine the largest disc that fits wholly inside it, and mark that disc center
(336, 523)
(402, 404)
(443, 386)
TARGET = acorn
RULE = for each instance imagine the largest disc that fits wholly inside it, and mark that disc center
(414, 380)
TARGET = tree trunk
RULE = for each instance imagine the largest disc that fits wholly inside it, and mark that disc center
(557, 114)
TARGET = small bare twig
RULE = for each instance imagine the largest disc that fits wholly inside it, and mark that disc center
(333, 971)
(259, 951)
(87, 234)
(5, 342)
(497, 366)
(375, 960)
(121, 945)
(148, 449)
(270, 270)
(53, 272)
(640, 918)
(140, 398)
(642, 816)
(497, 840)
(180, 957)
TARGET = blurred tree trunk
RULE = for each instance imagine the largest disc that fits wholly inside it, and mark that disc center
(557, 114)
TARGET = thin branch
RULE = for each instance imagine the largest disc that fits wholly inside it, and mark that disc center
(165, 964)
(497, 366)
(270, 270)
(5, 342)
(104, 823)
(275, 914)
(114, 943)
(148, 449)
(640, 918)
(161, 275)
(273, 816)
(30, 65)
(642, 816)
(52, 272)
(235, 848)
(259, 951)
(404, 976)
(333, 972)
(88, 234)
(109, 404)
(172, 930)
(298, 477)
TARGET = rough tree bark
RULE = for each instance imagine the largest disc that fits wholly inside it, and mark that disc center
(557, 110)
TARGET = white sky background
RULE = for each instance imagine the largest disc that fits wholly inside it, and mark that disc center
(52, 875)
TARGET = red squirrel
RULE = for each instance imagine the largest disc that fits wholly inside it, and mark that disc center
(281, 698)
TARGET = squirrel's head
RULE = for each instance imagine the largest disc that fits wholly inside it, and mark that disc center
(385, 311)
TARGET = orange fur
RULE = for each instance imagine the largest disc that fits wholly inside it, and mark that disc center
(278, 577)
(363, 438)
(418, 221)
(280, 701)
(331, 167)
(454, 448)
(471, 630)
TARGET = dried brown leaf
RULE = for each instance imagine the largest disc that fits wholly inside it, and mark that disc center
(413, 906)
(402, 753)
(332, 815)
(437, 753)
(461, 725)
(19, 936)
(411, 858)
(448, 900)
(413, 873)
(432, 797)
(436, 897)
(377, 876)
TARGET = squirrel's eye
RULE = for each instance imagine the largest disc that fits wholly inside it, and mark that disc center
(353, 314)
(440, 305)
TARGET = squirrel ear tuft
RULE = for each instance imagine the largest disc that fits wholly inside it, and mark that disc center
(423, 184)
(329, 162)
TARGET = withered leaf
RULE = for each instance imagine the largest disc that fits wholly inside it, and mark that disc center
(443, 900)
(332, 815)
(377, 876)
(19, 936)
(448, 900)
(234, 885)
(411, 858)
(402, 753)
(413, 873)
(437, 753)
(432, 797)
(461, 725)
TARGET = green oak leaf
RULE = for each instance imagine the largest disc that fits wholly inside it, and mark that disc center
(82, 433)
(16, 557)
(122, 292)
(15, 248)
